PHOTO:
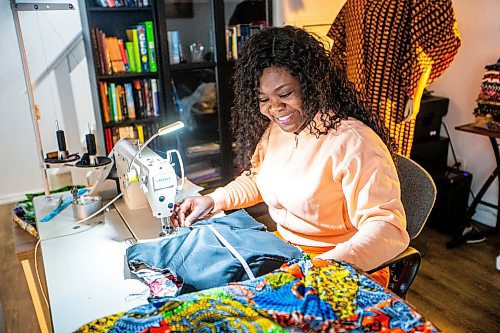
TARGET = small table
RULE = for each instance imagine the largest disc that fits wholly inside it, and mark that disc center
(492, 135)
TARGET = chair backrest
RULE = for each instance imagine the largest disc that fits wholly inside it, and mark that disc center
(418, 193)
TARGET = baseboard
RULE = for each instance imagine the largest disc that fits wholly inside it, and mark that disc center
(11, 198)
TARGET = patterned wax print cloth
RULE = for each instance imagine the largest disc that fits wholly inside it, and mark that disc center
(390, 50)
(488, 101)
(302, 296)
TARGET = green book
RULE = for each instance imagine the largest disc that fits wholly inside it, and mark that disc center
(129, 46)
(150, 37)
(114, 106)
(132, 37)
(143, 47)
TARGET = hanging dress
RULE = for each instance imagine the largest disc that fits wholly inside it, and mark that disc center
(391, 50)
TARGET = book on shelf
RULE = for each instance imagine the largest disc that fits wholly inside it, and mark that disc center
(140, 133)
(150, 38)
(134, 39)
(154, 94)
(143, 47)
(129, 47)
(138, 98)
(123, 103)
(147, 97)
(124, 55)
(114, 107)
(105, 54)
(129, 94)
(103, 90)
(108, 138)
(97, 50)
(173, 47)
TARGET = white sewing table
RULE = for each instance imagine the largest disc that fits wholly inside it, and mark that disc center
(84, 271)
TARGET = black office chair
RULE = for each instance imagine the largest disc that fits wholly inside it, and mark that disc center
(418, 194)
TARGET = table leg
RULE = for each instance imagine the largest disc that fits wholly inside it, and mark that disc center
(35, 296)
(461, 238)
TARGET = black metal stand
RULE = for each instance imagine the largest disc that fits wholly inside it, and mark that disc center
(463, 238)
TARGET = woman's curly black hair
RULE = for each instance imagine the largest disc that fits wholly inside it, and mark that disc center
(324, 87)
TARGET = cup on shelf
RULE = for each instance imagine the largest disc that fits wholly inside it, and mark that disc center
(197, 51)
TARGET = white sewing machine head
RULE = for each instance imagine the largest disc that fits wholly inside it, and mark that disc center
(146, 178)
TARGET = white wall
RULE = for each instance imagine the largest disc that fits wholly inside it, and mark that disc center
(46, 34)
(479, 25)
(313, 15)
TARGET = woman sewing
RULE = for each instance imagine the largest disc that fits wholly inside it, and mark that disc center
(312, 152)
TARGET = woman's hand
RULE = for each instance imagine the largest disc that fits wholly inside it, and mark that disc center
(192, 209)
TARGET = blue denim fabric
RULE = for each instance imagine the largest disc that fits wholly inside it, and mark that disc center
(197, 257)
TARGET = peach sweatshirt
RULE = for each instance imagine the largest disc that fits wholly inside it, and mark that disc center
(340, 189)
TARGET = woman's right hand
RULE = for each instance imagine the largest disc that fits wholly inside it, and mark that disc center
(191, 209)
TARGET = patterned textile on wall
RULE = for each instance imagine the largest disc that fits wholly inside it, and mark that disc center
(301, 296)
(391, 50)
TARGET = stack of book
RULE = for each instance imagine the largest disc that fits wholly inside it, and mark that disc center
(137, 54)
(138, 131)
(237, 35)
(138, 99)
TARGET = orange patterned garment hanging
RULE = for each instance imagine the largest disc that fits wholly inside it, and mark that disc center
(391, 50)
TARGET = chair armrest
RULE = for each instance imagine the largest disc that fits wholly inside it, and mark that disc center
(408, 252)
(403, 269)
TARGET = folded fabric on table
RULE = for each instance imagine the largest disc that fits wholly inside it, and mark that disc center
(302, 296)
(197, 258)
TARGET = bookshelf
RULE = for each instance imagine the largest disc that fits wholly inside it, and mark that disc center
(195, 50)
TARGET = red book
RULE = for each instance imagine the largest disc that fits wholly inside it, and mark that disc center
(108, 137)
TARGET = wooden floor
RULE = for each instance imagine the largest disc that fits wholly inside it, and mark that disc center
(458, 289)
(19, 314)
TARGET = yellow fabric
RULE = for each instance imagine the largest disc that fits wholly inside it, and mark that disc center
(391, 50)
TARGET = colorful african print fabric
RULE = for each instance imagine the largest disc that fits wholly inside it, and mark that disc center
(391, 50)
(301, 296)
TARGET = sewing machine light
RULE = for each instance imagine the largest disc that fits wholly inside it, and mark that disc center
(170, 128)
(162, 131)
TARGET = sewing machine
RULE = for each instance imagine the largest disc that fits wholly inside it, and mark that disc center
(147, 181)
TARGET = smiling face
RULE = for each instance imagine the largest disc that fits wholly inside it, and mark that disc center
(280, 99)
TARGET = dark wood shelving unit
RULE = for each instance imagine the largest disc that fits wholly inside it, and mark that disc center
(203, 22)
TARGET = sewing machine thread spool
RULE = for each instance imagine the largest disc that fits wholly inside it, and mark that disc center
(91, 148)
(61, 143)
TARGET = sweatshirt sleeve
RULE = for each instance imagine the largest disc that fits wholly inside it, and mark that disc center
(243, 191)
(372, 191)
